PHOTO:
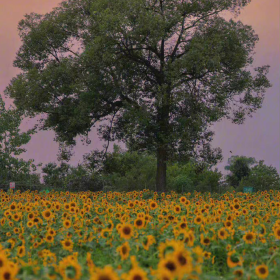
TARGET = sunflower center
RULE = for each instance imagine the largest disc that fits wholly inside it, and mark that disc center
(182, 260)
(104, 277)
(249, 236)
(262, 270)
(137, 277)
(238, 273)
(206, 240)
(7, 276)
(124, 250)
(170, 266)
(183, 225)
(126, 230)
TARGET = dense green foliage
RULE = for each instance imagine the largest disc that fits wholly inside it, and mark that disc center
(72, 178)
(129, 170)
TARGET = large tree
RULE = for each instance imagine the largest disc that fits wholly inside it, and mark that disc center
(161, 72)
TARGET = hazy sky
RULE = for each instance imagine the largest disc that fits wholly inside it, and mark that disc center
(258, 137)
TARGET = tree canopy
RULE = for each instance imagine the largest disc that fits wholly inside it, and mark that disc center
(159, 72)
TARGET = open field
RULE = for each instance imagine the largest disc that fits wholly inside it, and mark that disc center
(139, 235)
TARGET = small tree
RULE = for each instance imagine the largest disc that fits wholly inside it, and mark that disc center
(239, 167)
(55, 175)
(123, 170)
(262, 177)
(11, 142)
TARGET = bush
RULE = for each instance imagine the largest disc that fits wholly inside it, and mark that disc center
(262, 177)
(182, 183)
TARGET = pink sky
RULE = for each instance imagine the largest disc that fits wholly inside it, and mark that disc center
(258, 137)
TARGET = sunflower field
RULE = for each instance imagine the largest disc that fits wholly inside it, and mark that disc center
(139, 235)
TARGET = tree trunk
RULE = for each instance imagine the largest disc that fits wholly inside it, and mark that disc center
(161, 169)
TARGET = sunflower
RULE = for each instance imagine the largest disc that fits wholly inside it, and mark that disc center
(107, 273)
(16, 230)
(256, 221)
(249, 237)
(110, 225)
(139, 223)
(49, 238)
(163, 275)
(169, 264)
(153, 205)
(131, 204)
(67, 223)
(184, 261)
(222, 233)
(73, 204)
(66, 206)
(105, 233)
(67, 244)
(124, 250)
(205, 240)
(217, 219)
(3, 259)
(69, 269)
(183, 199)
(9, 271)
(198, 251)
(189, 238)
(167, 247)
(177, 209)
(207, 255)
(262, 271)
(51, 232)
(236, 206)
(277, 232)
(183, 225)
(136, 273)
(263, 230)
(238, 272)
(233, 259)
(13, 207)
(228, 224)
(149, 240)
(30, 224)
(16, 217)
(21, 251)
(198, 220)
(47, 214)
(126, 231)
